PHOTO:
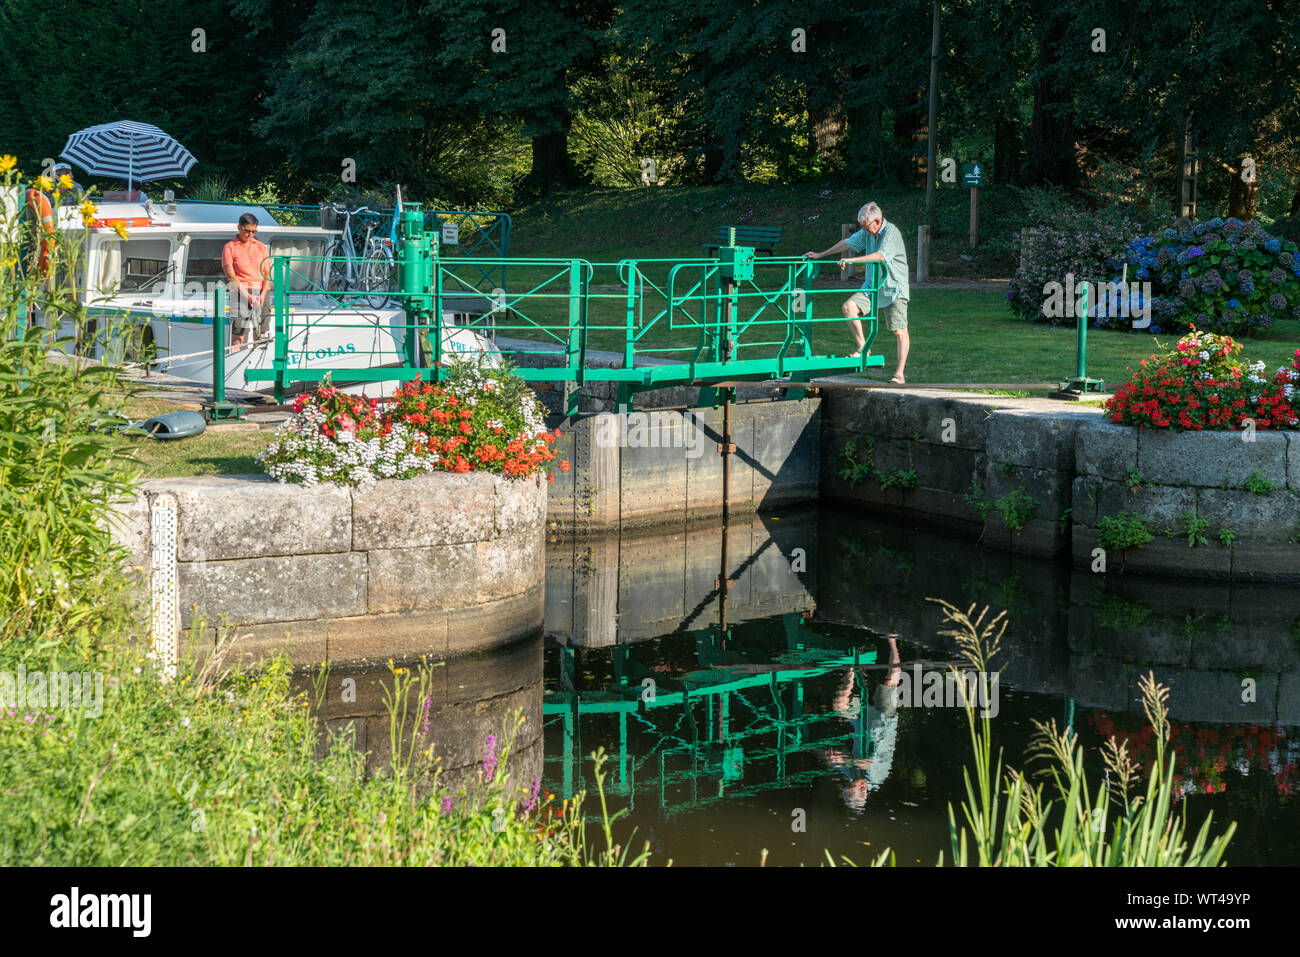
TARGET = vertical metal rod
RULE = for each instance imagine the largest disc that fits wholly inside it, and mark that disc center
(281, 361)
(219, 344)
(1081, 353)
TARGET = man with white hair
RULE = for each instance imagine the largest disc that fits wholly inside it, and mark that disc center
(882, 242)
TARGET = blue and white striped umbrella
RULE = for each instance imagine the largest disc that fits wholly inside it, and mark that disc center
(137, 152)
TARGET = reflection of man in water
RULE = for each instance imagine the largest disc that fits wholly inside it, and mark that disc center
(867, 767)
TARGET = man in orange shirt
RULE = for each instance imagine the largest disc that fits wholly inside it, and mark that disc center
(246, 263)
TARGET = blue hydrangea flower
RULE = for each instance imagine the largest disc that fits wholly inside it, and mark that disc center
(1277, 301)
(1273, 246)
(1194, 252)
(1276, 275)
(1153, 329)
(1233, 303)
(1216, 222)
(1248, 286)
(1144, 273)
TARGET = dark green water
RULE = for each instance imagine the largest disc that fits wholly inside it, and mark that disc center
(725, 740)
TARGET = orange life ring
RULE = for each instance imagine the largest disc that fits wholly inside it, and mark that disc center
(39, 208)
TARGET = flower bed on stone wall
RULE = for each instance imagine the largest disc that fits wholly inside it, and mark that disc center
(478, 418)
(1202, 384)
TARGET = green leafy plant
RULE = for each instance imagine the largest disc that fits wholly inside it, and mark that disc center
(1227, 536)
(975, 498)
(1193, 528)
(1063, 523)
(1258, 484)
(904, 478)
(1134, 479)
(855, 471)
(1123, 531)
(59, 471)
(1016, 507)
(1116, 611)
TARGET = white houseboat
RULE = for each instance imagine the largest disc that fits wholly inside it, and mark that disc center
(157, 286)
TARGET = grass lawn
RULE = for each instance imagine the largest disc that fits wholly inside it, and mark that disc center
(961, 335)
(212, 453)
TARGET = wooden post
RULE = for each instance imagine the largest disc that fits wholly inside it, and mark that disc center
(847, 230)
(922, 253)
(974, 216)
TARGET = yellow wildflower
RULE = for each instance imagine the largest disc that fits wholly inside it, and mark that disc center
(7, 163)
(88, 212)
(65, 181)
(44, 183)
(120, 229)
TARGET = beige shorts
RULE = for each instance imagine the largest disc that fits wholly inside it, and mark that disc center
(246, 320)
(895, 315)
(862, 301)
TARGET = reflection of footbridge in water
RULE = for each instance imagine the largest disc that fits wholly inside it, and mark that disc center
(730, 719)
(714, 727)
(730, 716)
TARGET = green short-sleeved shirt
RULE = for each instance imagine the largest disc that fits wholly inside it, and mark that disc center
(888, 242)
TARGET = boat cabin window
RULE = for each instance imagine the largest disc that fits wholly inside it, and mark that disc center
(203, 263)
(135, 265)
(304, 275)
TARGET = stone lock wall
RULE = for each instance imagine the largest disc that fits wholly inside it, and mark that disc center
(441, 564)
(1076, 467)
(1192, 477)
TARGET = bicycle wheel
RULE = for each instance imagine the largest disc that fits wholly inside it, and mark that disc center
(379, 274)
(334, 271)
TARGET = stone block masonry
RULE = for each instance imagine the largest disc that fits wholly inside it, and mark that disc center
(1041, 477)
(442, 564)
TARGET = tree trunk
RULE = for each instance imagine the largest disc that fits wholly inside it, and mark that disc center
(1006, 150)
(828, 136)
(552, 165)
(1294, 212)
(863, 141)
(1242, 196)
(911, 133)
(1051, 157)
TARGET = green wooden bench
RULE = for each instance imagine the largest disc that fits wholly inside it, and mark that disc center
(762, 238)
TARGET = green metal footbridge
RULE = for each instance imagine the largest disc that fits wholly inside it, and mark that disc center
(640, 323)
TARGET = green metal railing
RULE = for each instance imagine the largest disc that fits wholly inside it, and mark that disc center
(665, 322)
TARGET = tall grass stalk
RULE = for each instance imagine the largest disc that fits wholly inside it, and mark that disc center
(1007, 820)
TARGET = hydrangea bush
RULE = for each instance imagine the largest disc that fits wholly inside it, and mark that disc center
(477, 419)
(1067, 239)
(1224, 275)
(1202, 384)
